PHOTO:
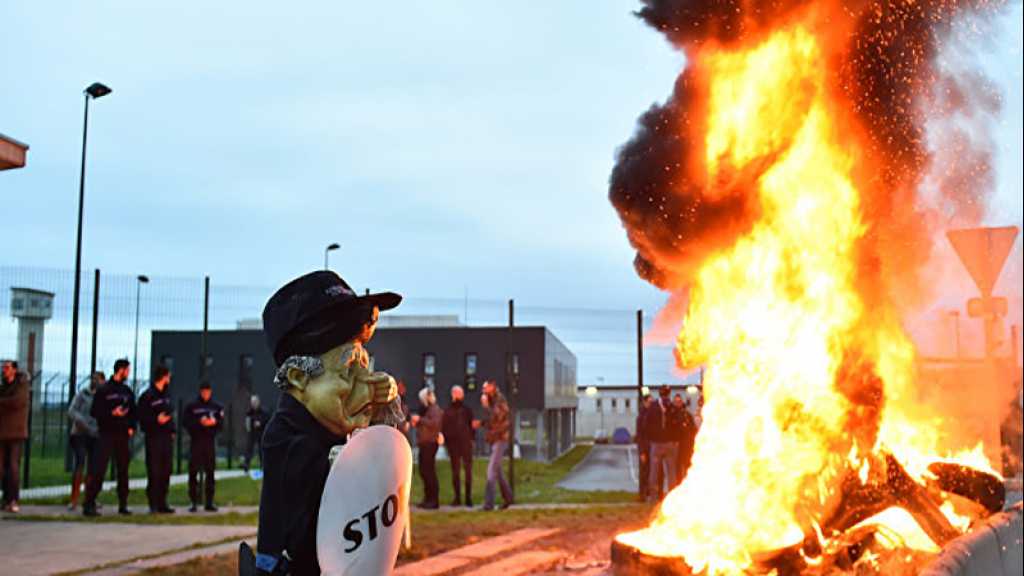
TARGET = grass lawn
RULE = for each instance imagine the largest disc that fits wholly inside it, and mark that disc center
(435, 533)
(534, 483)
(49, 471)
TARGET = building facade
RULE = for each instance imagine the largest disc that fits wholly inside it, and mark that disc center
(540, 382)
(604, 409)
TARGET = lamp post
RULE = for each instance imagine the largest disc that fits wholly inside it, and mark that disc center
(141, 279)
(95, 90)
(330, 248)
(593, 393)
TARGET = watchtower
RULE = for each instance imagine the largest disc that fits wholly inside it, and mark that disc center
(32, 308)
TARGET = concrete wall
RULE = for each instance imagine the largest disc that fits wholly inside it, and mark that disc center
(993, 548)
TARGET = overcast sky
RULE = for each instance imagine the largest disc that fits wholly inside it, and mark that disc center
(444, 145)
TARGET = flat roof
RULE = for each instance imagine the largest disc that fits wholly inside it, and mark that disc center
(12, 152)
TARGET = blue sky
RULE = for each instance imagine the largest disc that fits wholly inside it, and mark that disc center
(445, 145)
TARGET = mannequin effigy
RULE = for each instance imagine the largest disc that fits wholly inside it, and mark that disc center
(315, 327)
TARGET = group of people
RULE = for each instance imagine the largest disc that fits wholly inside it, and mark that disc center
(454, 428)
(104, 418)
(665, 435)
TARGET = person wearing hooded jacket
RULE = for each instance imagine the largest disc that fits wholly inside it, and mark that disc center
(203, 418)
(85, 441)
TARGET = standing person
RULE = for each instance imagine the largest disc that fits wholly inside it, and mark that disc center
(497, 435)
(643, 445)
(659, 424)
(255, 420)
(685, 431)
(85, 436)
(406, 426)
(113, 407)
(14, 407)
(156, 415)
(457, 427)
(428, 438)
(203, 419)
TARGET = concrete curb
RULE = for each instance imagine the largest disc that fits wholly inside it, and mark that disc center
(992, 548)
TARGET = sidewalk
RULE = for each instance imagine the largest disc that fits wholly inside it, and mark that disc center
(134, 484)
(36, 548)
(50, 511)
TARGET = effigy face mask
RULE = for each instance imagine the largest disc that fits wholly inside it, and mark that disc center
(337, 387)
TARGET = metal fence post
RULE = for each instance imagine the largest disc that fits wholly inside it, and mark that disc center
(42, 408)
(231, 433)
(177, 437)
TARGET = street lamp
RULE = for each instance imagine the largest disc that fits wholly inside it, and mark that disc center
(593, 393)
(142, 279)
(95, 90)
(330, 248)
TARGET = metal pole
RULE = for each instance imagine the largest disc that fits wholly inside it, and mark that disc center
(78, 256)
(639, 356)
(206, 326)
(95, 322)
(513, 393)
(28, 441)
(42, 407)
(135, 358)
(177, 437)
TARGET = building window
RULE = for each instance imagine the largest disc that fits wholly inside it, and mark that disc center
(245, 368)
(470, 371)
(597, 403)
(615, 404)
(627, 405)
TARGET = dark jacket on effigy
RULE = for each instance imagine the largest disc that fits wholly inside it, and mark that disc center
(295, 465)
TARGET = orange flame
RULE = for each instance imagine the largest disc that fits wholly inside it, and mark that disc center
(796, 358)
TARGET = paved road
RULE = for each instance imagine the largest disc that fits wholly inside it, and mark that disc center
(607, 467)
(32, 548)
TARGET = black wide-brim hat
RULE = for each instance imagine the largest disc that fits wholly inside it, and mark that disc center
(316, 312)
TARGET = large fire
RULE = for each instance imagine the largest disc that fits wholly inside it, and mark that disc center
(809, 376)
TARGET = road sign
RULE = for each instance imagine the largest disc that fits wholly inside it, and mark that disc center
(983, 252)
(986, 307)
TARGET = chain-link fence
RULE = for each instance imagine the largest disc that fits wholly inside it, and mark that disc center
(117, 320)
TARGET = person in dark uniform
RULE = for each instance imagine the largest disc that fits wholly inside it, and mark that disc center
(203, 419)
(315, 328)
(156, 417)
(113, 407)
(457, 426)
(643, 445)
(255, 421)
(686, 431)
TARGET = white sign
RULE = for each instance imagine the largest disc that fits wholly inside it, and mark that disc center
(364, 510)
